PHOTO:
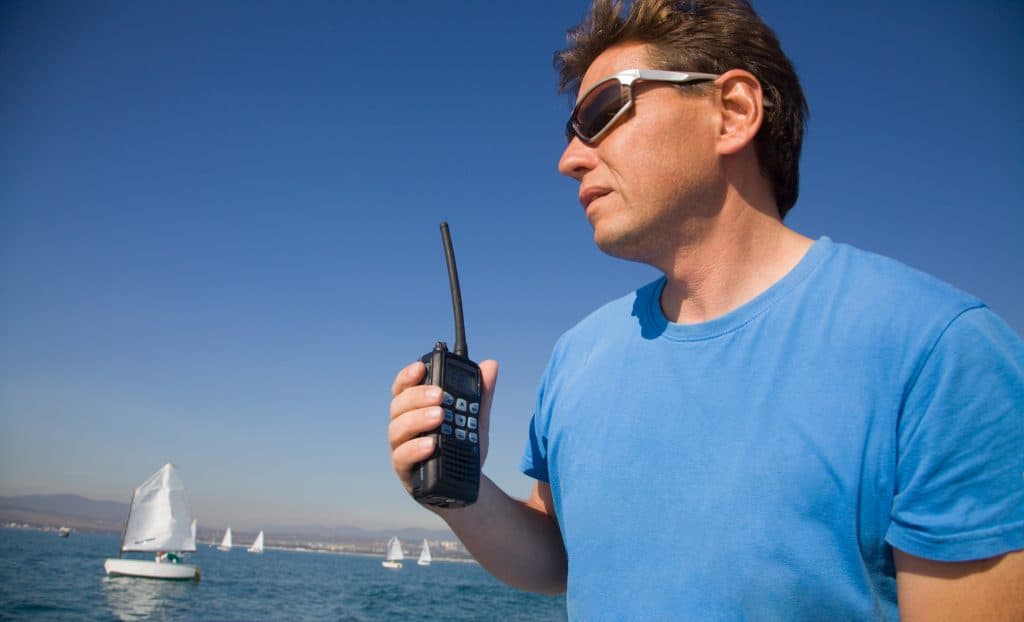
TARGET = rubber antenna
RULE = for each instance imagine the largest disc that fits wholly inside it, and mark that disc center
(453, 279)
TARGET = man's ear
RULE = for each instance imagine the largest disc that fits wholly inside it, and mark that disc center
(741, 105)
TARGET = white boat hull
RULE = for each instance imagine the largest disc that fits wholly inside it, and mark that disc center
(150, 570)
(387, 563)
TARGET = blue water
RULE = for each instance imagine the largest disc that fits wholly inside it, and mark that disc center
(45, 577)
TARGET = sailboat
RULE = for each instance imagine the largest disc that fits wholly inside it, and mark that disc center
(425, 558)
(158, 522)
(257, 546)
(394, 556)
(225, 544)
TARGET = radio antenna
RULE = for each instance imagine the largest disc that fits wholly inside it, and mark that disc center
(453, 280)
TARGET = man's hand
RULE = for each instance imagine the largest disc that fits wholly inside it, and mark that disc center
(416, 409)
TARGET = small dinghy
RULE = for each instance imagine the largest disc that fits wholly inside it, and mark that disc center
(257, 546)
(225, 544)
(158, 522)
(425, 558)
(394, 556)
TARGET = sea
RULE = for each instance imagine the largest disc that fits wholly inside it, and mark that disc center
(46, 577)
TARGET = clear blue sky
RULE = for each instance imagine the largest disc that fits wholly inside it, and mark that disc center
(218, 221)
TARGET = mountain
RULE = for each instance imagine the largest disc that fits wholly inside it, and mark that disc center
(90, 515)
(345, 532)
(70, 510)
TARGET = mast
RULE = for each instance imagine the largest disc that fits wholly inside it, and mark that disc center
(124, 529)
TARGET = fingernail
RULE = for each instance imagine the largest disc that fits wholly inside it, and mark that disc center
(434, 392)
(433, 414)
(427, 442)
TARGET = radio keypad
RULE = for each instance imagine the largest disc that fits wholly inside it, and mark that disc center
(455, 412)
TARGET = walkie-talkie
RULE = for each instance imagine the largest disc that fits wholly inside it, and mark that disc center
(450, 478)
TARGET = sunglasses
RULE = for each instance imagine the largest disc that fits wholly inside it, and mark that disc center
(605, 102)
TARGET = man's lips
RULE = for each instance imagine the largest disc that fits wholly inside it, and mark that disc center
(589, 195)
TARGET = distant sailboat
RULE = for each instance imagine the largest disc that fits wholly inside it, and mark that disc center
(194, 530)
(225, 544)
(425, 558)
(257, 546)
(158, 522)
(394, 556)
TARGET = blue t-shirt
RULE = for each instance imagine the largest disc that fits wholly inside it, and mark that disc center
(759, 466)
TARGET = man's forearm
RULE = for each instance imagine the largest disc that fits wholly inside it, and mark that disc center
(519, 544)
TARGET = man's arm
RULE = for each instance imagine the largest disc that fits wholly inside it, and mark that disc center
(519, 542)
(988, 589)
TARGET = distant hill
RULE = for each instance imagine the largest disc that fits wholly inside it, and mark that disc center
(90, 515)
(69, 510)
(344, 532)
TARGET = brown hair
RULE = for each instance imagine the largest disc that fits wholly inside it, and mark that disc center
(710, 36)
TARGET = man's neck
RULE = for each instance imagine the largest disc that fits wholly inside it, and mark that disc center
(736, 258)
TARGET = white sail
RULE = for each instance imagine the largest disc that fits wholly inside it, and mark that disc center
(395, 550)
(194, 534)
(257, 546)
(225, 544)
(159, 519)
(425, 558)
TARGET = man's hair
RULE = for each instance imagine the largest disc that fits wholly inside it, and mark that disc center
(709, 36)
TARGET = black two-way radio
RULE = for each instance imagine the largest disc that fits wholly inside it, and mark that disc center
(451, 476)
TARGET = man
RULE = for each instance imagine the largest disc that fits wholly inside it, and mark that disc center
(779, 428)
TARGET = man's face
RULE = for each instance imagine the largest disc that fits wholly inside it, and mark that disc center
(647, 184)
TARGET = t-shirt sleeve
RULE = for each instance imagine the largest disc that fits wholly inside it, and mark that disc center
(960, 471)
(535, 457)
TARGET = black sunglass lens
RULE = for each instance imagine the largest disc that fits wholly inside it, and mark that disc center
(598, 109)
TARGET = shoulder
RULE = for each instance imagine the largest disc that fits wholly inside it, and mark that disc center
(887, 281)
(883, 296)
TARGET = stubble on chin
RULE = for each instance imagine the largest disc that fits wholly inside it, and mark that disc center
(627, 244)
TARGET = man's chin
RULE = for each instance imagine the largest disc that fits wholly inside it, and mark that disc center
(620, 247)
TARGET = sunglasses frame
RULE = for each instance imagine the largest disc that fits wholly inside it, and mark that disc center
(626, 79)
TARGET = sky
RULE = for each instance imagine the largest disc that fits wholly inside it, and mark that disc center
(219, 221)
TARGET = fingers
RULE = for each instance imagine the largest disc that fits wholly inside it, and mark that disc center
(415, 409)
(411, 375)
(406, 455)
(412, 423)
